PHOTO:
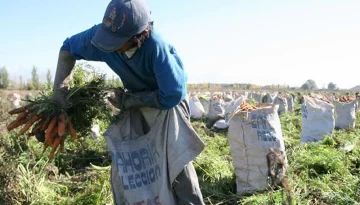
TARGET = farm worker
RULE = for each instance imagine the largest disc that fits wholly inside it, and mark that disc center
(149, 67)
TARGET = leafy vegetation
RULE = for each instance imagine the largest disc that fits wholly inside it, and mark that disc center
(4, 78)
(327, 172)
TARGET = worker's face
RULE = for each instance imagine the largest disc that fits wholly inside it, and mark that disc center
(131, 43)
(127, 46)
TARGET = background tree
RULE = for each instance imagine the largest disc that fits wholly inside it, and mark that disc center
(309, 85)
(48, 79)
(35, 79)
(4, 78)
(21, 86)
(332, 86)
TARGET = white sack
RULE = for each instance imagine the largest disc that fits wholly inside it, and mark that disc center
(227, 106)
(251, 135)
(235, 95)
(268, 98)
(228, 98)
(149, 148)
(16, 103)
(282, 102)
(221, 124)
(257, 97)
(15, 99)
(290, 103)
(317, 119)
(95, 131)
(345, 114)
(205, 102)
(13, 96)
(237, 103)
(196, 108)
(216, 108)
(329, 96)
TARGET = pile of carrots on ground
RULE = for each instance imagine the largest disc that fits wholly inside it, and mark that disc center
(49, 129)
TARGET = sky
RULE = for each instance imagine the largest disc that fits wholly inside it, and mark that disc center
(219, 41)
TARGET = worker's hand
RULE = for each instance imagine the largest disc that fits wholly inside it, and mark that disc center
(62, 77)
(126, 100)
(59, 96)
(117, 99)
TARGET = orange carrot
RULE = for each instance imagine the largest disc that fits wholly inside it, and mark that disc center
(37, 126)
(51, 124)
(55, 145)
(29, 123)
(22, 115)
(17, 110)
(61, 124)
(16, 123)
(71, 129)
(45, 124)
(50, 137)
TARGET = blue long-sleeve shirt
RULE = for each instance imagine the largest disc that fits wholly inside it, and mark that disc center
(155, 66)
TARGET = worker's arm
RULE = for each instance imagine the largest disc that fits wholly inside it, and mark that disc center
(77, 47)
(61, 82)
(170, 76)
(171, 79)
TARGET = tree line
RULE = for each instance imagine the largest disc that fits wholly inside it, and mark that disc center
(308, 85)
(34, 82)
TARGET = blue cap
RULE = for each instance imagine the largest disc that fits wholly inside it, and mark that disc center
(123, 19)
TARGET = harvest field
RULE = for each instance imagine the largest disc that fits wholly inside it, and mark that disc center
(326, 172)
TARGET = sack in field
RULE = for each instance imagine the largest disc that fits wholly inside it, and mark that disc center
(228, 98)
(237, 103)
(149, 148)
(216, 108)
(197, 110)
(269, 98)
(282, 102)
(251, 135)
(345, 114)
(221, 124)
(257, 97)
(317, 119)
(227, 106)
(290, 103)
(205, 102)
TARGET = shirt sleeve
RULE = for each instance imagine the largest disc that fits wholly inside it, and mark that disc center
(80, 45)
(170, 76)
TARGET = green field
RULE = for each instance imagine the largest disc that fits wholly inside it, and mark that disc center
(327, 172)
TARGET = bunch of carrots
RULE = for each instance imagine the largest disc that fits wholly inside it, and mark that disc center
(319, 98)
(346, 98)
(48, 129)
(324, 99)
(247, 107)
(49, 123)
(244, 107)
